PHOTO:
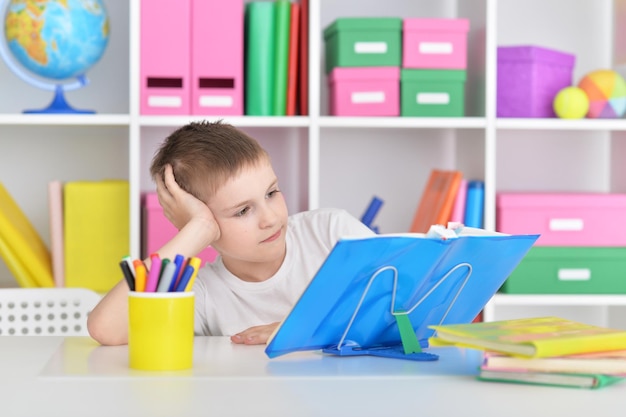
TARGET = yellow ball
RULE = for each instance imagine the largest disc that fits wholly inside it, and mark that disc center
(571, 103)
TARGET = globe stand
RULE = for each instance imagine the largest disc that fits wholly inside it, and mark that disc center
(59, 105)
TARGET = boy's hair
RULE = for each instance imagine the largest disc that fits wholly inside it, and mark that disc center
(205, 155)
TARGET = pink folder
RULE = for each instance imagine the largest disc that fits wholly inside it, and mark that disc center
(157, 230)
(165, 56)
(217, 33)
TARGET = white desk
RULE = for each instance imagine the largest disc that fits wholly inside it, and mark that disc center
(52, 376)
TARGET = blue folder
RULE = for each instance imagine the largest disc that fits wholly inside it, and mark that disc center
(350, 306)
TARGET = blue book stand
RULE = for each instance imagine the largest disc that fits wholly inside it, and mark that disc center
(379, 295)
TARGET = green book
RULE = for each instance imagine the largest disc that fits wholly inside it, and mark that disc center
(557, 379)
(259, 58)
(281, 55)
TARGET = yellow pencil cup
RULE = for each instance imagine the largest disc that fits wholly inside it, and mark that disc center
(160, 330)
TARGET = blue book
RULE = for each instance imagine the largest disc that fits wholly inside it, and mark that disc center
(368, 290)
(475, 203)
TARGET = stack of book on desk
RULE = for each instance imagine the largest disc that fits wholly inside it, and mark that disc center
(542, 351)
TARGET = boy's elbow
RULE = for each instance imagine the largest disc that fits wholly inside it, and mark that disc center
(102, 332)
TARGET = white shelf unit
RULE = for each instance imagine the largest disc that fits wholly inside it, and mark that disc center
(344, 161)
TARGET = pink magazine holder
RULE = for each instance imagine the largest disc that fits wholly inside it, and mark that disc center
(165, 56)
(217, 57)
(157, 230)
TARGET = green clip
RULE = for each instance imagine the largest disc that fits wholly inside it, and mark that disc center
(409, 339)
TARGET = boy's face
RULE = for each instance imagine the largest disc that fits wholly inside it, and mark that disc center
(252, 215)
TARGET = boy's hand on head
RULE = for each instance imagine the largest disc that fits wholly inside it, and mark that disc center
(257, 335)
(179, 206)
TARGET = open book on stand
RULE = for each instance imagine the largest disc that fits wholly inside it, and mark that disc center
(379, 295)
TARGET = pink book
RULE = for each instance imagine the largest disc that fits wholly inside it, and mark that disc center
(55, 210)
(458, 210)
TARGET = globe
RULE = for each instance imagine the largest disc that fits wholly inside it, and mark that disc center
(57, 40)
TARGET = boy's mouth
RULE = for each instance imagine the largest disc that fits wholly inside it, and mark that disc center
(273, 237)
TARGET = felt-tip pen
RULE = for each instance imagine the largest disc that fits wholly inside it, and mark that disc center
(140, 275)
(155, 272)
(128, 275)
(166, 277)
(196, 263)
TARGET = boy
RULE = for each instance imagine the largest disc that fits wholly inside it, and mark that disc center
(218, 187)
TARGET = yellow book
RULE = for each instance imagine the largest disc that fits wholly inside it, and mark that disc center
(537, 337)
(96, 230)
(21, 247)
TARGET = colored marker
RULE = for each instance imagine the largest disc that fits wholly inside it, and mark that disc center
(140, 275)
(195, 262)
(164, 263)
(128, 275)
(180, 262)
(166, 277)
(155, 272)
(131, 267)
(184, 280)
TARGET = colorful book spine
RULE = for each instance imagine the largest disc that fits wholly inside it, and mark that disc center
(55, 211)
(260, 64)
(281, 55)
(21, 247)
(292, 73)
(303, 60)
(435, 206)
(458, 210)
(474, 204)
(96, 232)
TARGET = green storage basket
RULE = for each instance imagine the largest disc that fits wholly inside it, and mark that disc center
(432, 93)
(363, 42)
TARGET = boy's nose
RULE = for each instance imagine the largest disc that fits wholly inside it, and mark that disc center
(267, 216)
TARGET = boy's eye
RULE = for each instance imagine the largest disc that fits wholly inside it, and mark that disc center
(242, 212)
(273, 193)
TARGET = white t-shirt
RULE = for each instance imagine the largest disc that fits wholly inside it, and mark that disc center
(227, 305)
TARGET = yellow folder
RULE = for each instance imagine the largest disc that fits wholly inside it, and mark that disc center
(21, 246)
(96, 230)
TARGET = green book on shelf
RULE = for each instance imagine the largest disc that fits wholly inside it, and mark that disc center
(259, 58)
(282, 24)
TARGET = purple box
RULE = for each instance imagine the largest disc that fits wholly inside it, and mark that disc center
(529, 77)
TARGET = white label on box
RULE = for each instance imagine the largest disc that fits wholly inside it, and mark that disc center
(370, 47)
(582, 274)
(165, 101)
(216, 101)
(433, 98)
(439, 48)
(368, 97)
(567, 225)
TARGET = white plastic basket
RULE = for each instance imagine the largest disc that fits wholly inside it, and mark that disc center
(45, 311)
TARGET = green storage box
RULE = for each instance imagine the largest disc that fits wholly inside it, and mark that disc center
(569, 270)
(363, 42)
(432, 93)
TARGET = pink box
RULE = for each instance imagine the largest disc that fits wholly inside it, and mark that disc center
(564, 219)
(157, 229)
(164, 57)
(434, 43)
(217, 66)
(529, 77)
(364, 91)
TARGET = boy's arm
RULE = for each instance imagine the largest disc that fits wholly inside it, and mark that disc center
(108, 322)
